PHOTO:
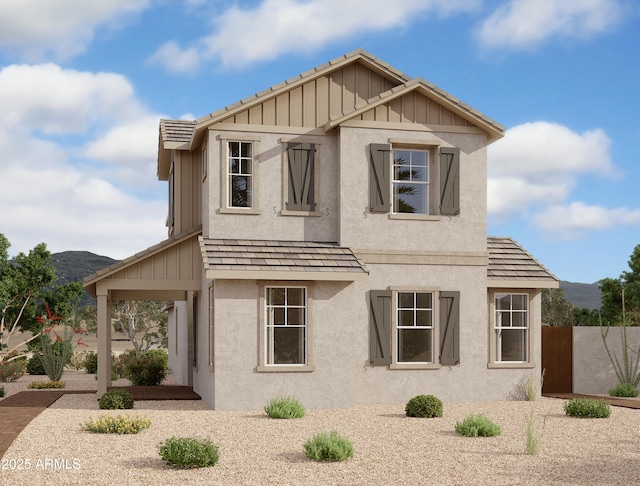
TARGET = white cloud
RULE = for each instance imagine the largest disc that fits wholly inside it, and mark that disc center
(173, 59)
(52, 120)
(538, 163)
(64, 28)
(575, 219)
(526, 23)
(277, 27)
(46, 98)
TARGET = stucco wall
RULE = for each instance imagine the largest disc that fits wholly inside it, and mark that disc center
(178, 342)
(339, 346)
(592, 368)
(361, 229)
(270, 223)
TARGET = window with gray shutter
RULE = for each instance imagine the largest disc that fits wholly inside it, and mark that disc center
(380, 327)
(379, 184)
(449, 328)
(449, 181)
(301, 160)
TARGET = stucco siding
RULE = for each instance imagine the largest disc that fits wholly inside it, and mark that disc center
(362, 229)
(266, 220)
(592, 368)
(342, 376)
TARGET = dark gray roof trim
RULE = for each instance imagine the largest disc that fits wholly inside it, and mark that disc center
(284, 256)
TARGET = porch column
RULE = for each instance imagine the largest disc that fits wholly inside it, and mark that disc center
(104, 343)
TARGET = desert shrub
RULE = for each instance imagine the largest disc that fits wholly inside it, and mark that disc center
(1, 391)
(426, 406)
(477, 426)
(91, 362)
(149, 369)
(587, 407)
(328, 447)
(121, 362)
(77, 360)
(11, 370)
(626, 390)
(120, 424)
(41, 385)
(189, 452)
(116, 400)
(35, 366)
(284, 408)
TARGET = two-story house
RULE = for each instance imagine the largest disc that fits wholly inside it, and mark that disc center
(327, 239)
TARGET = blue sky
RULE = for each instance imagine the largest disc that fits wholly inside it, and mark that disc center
(84, 84)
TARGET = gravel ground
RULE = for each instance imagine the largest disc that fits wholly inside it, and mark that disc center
(390, 448)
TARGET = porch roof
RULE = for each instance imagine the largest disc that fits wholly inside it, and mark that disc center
(511, 266)
(279, 260)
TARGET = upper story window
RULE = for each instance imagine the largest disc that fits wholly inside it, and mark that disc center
(511, 327)
(240, 170)
(411, 181)
(414, 182)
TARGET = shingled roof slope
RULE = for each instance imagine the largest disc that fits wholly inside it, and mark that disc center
(222, 256)
(179, 131)
(508, 261)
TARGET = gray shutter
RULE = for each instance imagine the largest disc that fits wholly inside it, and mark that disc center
(301, 176)
(450, 328)
(379, 184)
(380, 327)
(449, 181)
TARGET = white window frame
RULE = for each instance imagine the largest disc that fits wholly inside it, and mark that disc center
(399, 328)
(498, 328)
(264, 335)
(248, 175)
(225, 176)
(426, 183)
(435, 329)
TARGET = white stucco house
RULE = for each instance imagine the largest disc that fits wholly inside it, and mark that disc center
(327, 239)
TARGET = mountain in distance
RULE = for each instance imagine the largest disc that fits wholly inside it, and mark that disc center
(582, 295)
(74, 266)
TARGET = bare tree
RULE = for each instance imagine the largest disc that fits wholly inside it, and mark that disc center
(143, 321)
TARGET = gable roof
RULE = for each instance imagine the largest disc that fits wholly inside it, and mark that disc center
(511, 266)
(326, 96)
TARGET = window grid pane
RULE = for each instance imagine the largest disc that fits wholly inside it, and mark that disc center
(286, 326)
(414, 322)
(240, 168)
(511, 327)
(410, 181)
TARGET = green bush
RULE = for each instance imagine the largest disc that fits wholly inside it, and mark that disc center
(116, 400)
(425, 406)
(11, 370)
(41, 385)
(189, 452)
(1, 391)
(587, 407)
(91, 362)
(626, 390)
(477, 426)
(122, 361)
(149, 369)
(120, 424)
(284, 408)
(328, 447)
(35, 366)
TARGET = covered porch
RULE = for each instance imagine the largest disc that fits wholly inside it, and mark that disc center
(171, 270)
